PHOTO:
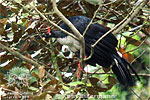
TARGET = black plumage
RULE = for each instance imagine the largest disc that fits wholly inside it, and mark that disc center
(105, 53)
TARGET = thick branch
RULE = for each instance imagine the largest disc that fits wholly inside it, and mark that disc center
(55, 24)
(121, 25)
(61, 16)
(43, 16)
(125, 21)
(76, 33)
(24, 58)
(131, 15)
(17, 54)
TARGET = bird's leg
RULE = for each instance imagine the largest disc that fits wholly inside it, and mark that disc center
(79, 68)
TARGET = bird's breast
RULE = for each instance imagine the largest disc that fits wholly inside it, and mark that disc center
(73, 44)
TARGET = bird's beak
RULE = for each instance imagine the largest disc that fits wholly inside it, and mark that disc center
(49, 35)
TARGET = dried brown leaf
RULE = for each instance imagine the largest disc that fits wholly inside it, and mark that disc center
(35, 75)
(48, 97)
(17, 95)
(10, 65)
(106, 69)
(93, 81)
(132, 41)
(3, 10)
(128, 56)
(112, 80)
(25, 46)
(3, 21)
(41, 96)
(92, 90)
(15, 10)
(41, 72)
(78, 89)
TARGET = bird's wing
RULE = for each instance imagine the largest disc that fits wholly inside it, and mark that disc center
(104, 49)
(102, 52)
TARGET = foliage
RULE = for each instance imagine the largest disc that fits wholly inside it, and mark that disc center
(22, 30)
(18, 76)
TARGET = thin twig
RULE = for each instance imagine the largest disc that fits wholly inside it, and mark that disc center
(54, 24)
(144, 75)
(91, 54)
(135, 93)
(92, 48)
(61, 16)
(135, 28)
(82, 9)
(125, 20)
(97, 70)
(54, 59)
(92, 20)
(147, 42)
(24, 58)
(15, 92)
(131, 15)
(138, 56)
(136, 47)
(19, 55)
(43, 16)
(26, 9)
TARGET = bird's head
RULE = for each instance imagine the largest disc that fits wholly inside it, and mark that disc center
(50, 34)
(55, 34)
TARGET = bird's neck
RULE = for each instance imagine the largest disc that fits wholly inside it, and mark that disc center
(59, 34)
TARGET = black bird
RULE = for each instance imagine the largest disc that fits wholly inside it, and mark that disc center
(105, 53)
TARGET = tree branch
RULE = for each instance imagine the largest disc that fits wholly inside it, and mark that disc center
(19, 55)
(147, 42)
(54, 24)
(144, 75)
(61, 16)
(76, 33)
(136, 47)
(24, 58)
(92, 20)
(125, 21)
(43, 16)
(138, 56)
(131, 15)
(120, 25)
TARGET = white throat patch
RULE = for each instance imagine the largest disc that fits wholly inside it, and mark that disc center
(73, 44)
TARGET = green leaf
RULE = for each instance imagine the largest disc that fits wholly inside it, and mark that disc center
(33, 88)
(132, 41)
(41, 96)
(75, 83)
(101, 85)
(58, 97)
(95, 2)
(65, 87)
(18, 1)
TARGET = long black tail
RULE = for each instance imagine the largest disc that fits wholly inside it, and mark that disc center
(120, 69)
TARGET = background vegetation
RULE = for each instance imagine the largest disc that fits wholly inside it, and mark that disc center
(34, 68)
